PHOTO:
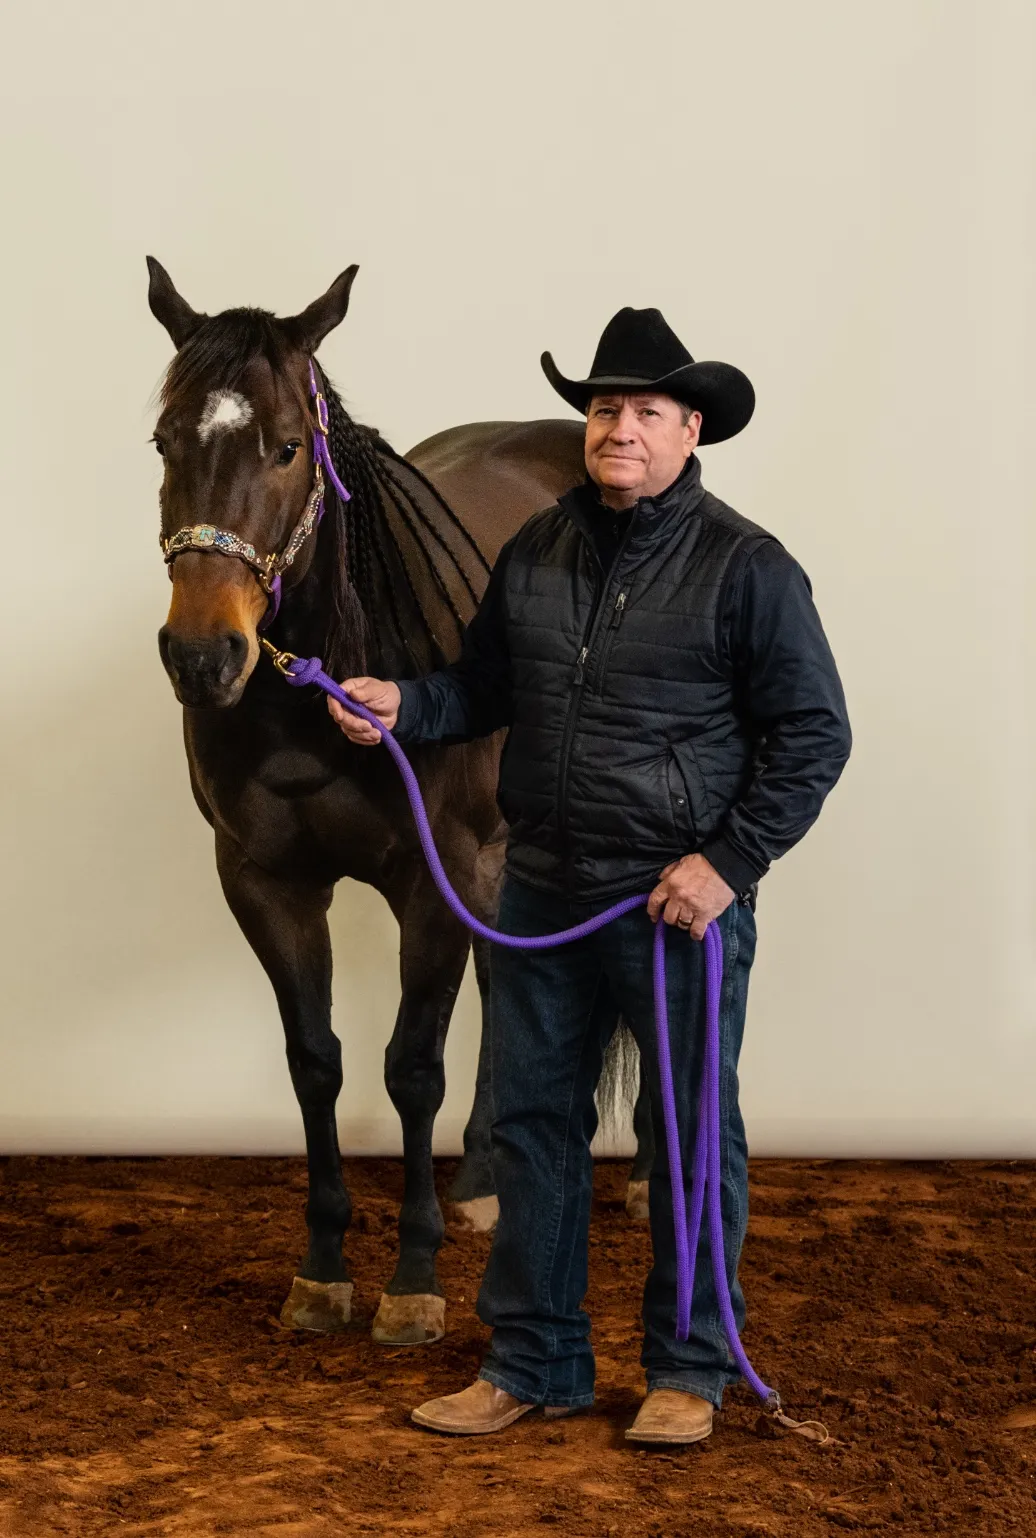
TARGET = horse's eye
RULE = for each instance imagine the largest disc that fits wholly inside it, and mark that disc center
(288, 452)
(159, 445)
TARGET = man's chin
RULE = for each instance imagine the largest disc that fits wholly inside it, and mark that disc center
(620, 476)
(628, 486)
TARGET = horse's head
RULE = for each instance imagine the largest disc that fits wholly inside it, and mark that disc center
(236, 436)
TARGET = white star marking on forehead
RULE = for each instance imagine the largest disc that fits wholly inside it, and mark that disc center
(224, 411)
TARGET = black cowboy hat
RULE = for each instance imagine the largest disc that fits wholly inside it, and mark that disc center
(639, 351)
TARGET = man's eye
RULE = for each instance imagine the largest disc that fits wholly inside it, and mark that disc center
(288, 452)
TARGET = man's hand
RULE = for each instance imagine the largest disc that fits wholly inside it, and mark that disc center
(690, 894)
(381, 698)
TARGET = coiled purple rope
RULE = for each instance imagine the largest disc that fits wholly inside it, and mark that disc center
(707, 1158)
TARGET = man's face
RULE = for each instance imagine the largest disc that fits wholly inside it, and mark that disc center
(636, 445)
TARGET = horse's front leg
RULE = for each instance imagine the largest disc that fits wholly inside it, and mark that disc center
(433, 954)
(285, 922)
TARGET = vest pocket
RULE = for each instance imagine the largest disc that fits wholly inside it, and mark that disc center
(687, 776)
(680, 802)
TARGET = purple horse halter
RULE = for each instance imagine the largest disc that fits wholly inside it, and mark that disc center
(270, 568)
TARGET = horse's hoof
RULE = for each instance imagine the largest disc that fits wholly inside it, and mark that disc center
(479, 1216)
(412, 1319)
(323, 1306)
(637, 1209)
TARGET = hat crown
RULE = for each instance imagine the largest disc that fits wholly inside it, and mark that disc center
(638, 344)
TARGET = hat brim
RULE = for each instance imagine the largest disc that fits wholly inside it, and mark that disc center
(721, 392)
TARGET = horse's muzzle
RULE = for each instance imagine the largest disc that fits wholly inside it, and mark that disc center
(205, 673)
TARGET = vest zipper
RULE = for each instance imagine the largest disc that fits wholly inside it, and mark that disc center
(566, 742)
(578, 679)
(595, 679)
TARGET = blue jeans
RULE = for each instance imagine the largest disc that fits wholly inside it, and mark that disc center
(551, 1014)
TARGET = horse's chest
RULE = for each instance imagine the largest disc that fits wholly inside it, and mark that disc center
(290, 772)
(291, 802)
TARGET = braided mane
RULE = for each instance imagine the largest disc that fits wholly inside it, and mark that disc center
(406, 575)
(400, 539)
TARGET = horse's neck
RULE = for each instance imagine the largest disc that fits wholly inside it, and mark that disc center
(424, 578)
(416, 575)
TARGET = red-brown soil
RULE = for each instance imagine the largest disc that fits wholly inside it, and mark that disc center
(146, 1387)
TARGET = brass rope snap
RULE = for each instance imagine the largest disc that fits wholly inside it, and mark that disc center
(282, 661)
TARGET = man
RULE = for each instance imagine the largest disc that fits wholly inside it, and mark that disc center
(675, 722)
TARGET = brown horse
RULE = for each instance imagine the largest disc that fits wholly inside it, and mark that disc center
(384, 585)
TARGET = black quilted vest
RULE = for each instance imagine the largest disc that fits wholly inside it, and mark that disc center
(626, 749)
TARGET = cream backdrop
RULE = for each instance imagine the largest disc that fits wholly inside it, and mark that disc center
(838, 197)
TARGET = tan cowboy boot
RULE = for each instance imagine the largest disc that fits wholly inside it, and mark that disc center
(477, 1410)
(670, 1415)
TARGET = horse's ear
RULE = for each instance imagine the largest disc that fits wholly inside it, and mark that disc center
(309, 328)
(167, 306)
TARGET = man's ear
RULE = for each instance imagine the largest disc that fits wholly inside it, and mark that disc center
(309, 328)
(167, 306)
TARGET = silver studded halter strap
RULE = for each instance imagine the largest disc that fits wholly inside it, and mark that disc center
(269, 568)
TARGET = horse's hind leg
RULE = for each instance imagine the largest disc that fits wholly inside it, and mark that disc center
(644, 1132)
(285, 922)
(433, 955)
(472, 1191)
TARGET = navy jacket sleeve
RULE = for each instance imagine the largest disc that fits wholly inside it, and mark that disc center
(472, 697)
(792, 700)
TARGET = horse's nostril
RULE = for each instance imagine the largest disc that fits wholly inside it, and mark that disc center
(236, 655)
(165, 637)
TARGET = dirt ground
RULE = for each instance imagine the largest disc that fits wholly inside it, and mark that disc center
(146, 1387)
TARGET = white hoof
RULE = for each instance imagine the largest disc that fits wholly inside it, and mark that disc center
(413, 1319)
(479, 1216)
(637, 1209)
(323, 1306)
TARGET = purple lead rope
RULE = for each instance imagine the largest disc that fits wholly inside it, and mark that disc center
(707, 1154)
(708, 1173)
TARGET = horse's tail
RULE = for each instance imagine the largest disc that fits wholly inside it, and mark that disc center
(618, 1084)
